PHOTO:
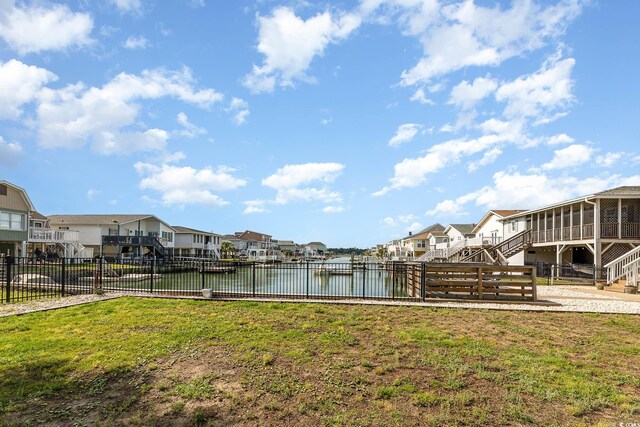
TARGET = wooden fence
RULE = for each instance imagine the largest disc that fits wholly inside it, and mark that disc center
(476, 282)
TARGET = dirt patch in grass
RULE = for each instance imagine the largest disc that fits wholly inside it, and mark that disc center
(301, 364)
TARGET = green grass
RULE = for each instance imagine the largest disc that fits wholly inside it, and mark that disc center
(155, 362)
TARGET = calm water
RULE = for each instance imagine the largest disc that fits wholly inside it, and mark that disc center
(293, 279)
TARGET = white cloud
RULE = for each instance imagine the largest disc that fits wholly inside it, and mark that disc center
(569, 157)
(293, 182)
(445, 208)
(465, 95)
(186, 185)
(190, 130)
(414, 172)
(399, 220)
(608, 159)
(420, 97)
(333, 209)
(91, 193)
(463, 34)
(488, 158)
(20, 84)
(128, 6)
(513, 190)
(405, 133)
(255, 207)
(562, 138)
(416, 226)
(74, 115)
(136, 42)
(538, 94)
(37, 28)
(289, 44)
(10, 152)
(240, 110)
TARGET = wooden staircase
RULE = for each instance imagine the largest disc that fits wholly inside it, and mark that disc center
(499, 253)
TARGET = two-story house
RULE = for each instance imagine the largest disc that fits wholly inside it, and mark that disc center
(194, 243)
(121, 236)
(15, 207)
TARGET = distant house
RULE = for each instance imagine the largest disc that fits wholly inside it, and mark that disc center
(122, 236)
(315, 248)
(490, 230)
(458, 232)
(256, 246)
(286, 245)
(194, 243)
(415, 245)
(15, 207)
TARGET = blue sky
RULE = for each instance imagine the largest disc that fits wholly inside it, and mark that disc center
(350, 122)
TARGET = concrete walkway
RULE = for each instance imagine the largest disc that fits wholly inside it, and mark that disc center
(562, 298)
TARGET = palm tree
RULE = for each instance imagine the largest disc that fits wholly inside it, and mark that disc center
(227, 249)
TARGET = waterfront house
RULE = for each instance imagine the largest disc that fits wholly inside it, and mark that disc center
(490, 230)
(313, 249)
(15, 207)
(194, 243)
(122, 236)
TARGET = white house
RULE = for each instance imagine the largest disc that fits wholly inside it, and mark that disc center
(490, 230)
(115, 235)
(194, 243)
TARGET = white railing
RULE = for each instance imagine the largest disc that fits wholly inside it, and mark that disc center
(616, 268)
(50, 235)
(632, 270)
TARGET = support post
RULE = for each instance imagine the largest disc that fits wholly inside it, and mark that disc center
(8, 262)
(307, 279)
(423, 273)
(63, 278)
(480, 290)
(364, 280)
(153, 273)
(202, 273)
(253, 264)
(534, 283)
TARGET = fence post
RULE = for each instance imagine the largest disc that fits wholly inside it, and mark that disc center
(63, 279)
(423, 274)
(480, 290)
(534, 282)
(393, 280)
(98, 284)
(253, 265)
(153, 272)
(8, 261)
(202, 273)
(364, 280)
(307, 279)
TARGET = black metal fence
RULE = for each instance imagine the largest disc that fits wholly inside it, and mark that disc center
(24, 279)
(575, 273)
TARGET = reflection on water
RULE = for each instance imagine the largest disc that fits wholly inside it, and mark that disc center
(335, 278)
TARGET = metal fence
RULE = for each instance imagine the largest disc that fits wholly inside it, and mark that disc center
(577, 273)
(25, 279)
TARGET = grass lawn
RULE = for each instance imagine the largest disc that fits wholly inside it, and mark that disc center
(178, 362)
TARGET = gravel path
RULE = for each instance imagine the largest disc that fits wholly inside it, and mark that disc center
(555, 298)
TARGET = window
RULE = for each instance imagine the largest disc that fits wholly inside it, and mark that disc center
(514, 225)
(167, 235)
(13, 221)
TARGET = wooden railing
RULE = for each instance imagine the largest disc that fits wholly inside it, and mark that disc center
(486, 282)
(609, 230)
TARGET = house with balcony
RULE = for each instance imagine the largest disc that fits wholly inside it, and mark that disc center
(256, 246)
(15, 207)
(600, 230)
(25, 232)
(121, 236)
(415, 245)
(194, 243)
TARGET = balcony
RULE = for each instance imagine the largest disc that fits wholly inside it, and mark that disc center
(50, 235)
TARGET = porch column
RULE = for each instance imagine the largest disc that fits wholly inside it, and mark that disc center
(571, 222)
(581, 219)
(24, 249)
(619, 218)
(553, 225)
(596, 235)
(561, 222)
